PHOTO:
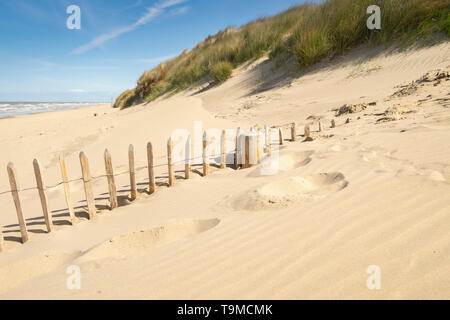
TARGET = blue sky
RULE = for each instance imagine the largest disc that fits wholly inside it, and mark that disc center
(42, 60)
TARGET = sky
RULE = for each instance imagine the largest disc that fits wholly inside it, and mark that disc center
(41, 59)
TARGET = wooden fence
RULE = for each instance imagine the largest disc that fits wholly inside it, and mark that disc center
(248, 151)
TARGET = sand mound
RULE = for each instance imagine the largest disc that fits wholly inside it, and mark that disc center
(284, 162)
(140, 242)
(285, 192)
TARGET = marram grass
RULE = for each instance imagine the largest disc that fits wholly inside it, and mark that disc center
(305, 34)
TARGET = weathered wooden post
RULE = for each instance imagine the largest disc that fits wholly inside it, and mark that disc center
(237, 154)
(258, 149)
(111, 182)
(268, 141)
(320, 126)
(293, 132)
(86, 172)
(280, 134)
(187, 159)
(131, 165)
(151, 172)
(247, 152)
(169, 162)
(42, 195)
(205, 156)
(333, 124)
(253, 149)
(307, 131)
(65, 180)
(223, 163)
(15, 194)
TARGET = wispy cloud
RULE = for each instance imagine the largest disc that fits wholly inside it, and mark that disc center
(28, 9)
(150, 14)
(179, 11)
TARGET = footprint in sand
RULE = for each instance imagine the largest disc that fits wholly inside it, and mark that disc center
(435, 175)
(429, 174)
(140, 242)
(283, 162)
(369, 156)
(338, 148)
(286, 192)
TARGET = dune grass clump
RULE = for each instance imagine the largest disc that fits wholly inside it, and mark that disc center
(305, 34)
(126, 99)
(222, 71)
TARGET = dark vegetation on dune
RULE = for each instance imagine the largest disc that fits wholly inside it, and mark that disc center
(304, 34)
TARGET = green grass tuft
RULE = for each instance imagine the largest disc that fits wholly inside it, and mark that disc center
(222, 71)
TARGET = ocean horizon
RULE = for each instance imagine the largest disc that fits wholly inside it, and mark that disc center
(18, 108)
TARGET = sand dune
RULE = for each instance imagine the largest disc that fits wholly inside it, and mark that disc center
(373, 191)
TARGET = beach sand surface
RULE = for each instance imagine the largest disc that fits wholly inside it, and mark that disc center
(370, 192)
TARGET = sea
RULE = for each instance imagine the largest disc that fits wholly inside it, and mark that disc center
(9, 109)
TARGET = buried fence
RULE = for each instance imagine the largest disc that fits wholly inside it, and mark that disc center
(248, 150)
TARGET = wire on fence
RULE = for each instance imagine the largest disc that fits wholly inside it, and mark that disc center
(115, 175)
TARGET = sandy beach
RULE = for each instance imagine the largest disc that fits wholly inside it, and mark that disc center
(373, 191)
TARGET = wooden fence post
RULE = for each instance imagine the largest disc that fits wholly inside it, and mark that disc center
(223, 150)
(205, 156)
(253, 149)
(169, 162)
(247, 152)
(42, 195)
(151, 172)
(111, 182)
(15, 194)
(65, 178)
(280, 134)
(131, 165)
(268, 141)
(258, 149)
(187, 157)
(87, 185)
(293, 132)
(333, 123)
(307, 131)
(237, 150)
